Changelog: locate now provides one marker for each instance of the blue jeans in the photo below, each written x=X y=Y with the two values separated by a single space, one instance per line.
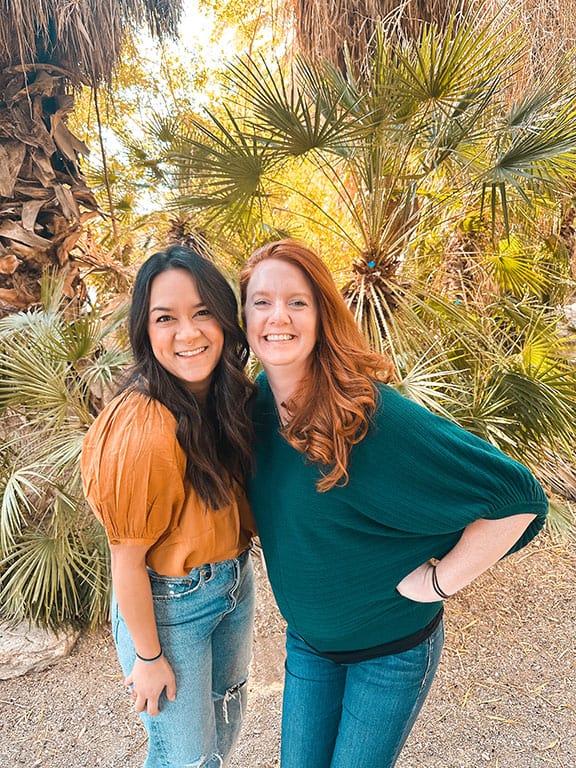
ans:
x=353 y=715
x=205 y=628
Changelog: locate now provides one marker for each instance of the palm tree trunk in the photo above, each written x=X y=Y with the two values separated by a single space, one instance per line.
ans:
x=43 y=195
x=45 y=49
x=341 y=29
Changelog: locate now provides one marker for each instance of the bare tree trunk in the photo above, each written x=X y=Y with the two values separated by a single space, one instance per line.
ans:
x=43 y=195
x=333 y=29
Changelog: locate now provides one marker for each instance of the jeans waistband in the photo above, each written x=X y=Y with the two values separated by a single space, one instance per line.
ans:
x=207 y=569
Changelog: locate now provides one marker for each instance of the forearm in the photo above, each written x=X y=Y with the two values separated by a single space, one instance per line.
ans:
x=134 y=597
x=482 y=544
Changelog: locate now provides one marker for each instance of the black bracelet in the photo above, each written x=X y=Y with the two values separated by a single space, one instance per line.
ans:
x=435 y=586
x=150 y=661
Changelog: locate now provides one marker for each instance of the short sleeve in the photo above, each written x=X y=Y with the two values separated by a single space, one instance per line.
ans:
x=425 y=475
x=133 y=469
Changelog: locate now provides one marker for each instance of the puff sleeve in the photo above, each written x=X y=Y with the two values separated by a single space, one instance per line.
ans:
x=133 y=469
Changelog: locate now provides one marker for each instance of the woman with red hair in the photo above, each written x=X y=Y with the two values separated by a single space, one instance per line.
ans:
x=371 y=510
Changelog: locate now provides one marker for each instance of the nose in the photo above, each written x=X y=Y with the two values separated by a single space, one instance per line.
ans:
x=187 y=329
x=279 y=313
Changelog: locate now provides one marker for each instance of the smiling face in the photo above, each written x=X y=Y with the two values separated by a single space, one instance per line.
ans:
x=281 y=317
x=186 y=338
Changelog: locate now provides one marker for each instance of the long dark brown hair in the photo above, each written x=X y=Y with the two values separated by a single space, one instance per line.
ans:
x=332 y=408
x=216 y=436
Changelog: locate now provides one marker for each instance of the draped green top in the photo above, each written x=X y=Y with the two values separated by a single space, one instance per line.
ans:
x=416 y=480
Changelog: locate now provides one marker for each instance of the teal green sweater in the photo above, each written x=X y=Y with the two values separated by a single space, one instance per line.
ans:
x=416 y=480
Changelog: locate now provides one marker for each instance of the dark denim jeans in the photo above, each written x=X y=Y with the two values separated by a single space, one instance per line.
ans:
x=353 y=715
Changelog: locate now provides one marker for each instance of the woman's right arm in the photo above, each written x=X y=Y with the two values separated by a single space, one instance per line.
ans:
x=134 y=596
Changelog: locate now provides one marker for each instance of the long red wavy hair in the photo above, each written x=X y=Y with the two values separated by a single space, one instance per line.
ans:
x=332 y=408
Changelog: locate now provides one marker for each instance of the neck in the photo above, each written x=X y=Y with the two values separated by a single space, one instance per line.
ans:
x=283 y=384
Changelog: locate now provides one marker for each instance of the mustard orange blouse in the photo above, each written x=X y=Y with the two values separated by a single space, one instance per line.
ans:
x=133 y=477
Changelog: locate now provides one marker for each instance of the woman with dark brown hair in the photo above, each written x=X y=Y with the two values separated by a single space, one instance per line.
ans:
x=164 y=468
x=371 y=510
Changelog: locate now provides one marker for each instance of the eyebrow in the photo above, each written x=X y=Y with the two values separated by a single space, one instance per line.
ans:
x=265 y=292
x=171 y=309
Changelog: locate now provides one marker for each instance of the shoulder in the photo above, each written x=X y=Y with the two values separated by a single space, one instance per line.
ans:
x=132 y=421
x=132 y=406
x=439 y=446
x=395 y=407
x=412 y=428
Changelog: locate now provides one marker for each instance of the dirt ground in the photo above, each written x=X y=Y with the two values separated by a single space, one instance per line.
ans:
x=504 y=697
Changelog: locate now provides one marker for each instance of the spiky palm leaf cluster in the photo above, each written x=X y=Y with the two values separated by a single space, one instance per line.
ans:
x=441 y=193
x=55 y=367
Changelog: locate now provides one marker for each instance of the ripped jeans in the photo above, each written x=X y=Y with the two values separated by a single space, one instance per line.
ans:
x=205 y=627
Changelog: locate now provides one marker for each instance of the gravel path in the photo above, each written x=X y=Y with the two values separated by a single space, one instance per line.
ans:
x=504 y=697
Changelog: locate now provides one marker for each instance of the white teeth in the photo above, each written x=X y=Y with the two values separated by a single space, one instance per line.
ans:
x=279 y=337
x=191 y=353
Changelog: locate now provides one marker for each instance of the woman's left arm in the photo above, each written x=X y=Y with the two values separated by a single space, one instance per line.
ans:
x=482 y=544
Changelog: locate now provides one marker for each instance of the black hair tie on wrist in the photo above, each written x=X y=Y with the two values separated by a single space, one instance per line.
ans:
x=152 y=660
x=435 y=586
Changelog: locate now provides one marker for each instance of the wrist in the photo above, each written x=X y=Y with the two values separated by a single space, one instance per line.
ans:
x=150 y=659
x=436 y=587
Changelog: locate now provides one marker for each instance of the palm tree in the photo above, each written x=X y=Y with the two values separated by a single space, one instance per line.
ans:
x=55 y=369
x=47 y=51
x=444 y=197
x=342 y=32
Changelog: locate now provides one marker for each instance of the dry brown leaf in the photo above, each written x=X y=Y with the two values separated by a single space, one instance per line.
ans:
x=63 y=250
x=67 y=202
x=67 y=143
x=43 y=85
x=9 y=264
x=29 y=254
x=30 y=210
x=43 y=169
x=11 y=158
x=16 y=298
x=15 y=232
x=30 y=191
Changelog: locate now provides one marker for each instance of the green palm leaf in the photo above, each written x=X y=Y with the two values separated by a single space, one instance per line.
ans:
x=54 y=368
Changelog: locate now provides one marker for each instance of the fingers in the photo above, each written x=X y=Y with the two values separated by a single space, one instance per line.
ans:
x=171 y=690
x=151 y=706
x=149 y=703
x=146 y=682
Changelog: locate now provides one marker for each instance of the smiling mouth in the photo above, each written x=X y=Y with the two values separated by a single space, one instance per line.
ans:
x=279 y=337
x=191 y=352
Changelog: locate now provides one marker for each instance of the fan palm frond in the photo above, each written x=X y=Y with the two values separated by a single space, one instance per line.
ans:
x=54 y=368
x=19 y=490
x=298 y=113
x=514 y=270
x=52 y=580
